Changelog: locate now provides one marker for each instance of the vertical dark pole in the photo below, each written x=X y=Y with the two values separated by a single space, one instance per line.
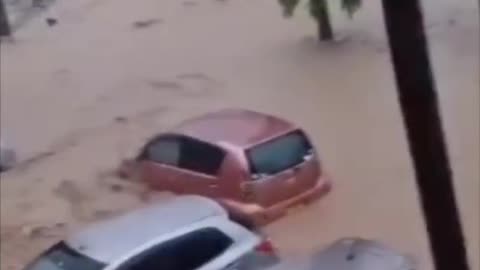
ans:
x=418 y=100
x=4 y=25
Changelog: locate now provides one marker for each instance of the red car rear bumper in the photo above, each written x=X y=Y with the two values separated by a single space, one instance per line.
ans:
x=263 y=215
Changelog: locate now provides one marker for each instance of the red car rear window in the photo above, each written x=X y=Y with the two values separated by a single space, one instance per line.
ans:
x=279 y=154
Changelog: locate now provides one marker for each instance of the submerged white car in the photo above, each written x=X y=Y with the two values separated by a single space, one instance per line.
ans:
x=351 y=254
x=187 y=233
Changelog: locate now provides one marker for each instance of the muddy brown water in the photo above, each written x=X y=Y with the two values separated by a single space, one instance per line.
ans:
x=63 y=89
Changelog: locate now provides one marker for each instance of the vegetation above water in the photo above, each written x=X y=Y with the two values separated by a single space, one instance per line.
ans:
x=319 y=11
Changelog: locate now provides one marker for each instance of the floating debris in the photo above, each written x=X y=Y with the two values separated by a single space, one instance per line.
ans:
x=51 y=21
x=41 y=231
x=146 y=23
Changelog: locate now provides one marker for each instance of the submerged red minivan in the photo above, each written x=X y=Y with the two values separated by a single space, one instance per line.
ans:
x=254 y=164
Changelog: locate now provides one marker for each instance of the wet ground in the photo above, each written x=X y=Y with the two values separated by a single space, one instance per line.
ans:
x=78 y=96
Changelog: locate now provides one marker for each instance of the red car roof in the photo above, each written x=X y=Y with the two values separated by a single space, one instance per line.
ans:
x=236 y=126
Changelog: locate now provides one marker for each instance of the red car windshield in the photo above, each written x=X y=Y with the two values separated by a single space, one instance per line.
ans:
x=63 y=257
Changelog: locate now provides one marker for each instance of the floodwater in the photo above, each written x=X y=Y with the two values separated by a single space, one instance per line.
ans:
x=66 y=91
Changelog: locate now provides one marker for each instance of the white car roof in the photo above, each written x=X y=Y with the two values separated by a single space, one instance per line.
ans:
x=109 y=240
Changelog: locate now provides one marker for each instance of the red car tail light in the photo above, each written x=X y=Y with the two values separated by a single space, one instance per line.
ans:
x=247 y=191
x=266 y=247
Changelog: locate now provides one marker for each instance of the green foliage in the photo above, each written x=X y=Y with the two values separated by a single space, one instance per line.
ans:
x=288 y=6
x=316 y=7
x=350 y=6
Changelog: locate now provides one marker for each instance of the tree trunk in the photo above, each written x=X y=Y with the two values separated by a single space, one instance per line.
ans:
x=4 y=25
x=419 y=103
x=325 y=32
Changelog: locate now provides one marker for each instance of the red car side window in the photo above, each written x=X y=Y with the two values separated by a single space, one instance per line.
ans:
x=184 y=152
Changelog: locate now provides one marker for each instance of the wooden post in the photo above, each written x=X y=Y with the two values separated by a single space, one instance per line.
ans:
x=418 y=100
x=4 y=25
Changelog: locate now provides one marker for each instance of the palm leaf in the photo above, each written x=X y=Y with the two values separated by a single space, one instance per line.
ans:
x=351 y=6
x=315 y=7
x=288 y=6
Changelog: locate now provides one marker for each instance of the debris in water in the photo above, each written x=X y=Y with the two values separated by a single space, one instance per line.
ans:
x=37 y=231
x=69 y=191
x=121 y=119
x=117 y=187
x=127 y=169
x=8 y=157
x=51 y=21
x=146 y=23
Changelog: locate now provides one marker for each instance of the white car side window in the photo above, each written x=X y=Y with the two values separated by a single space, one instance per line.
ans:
x=186 y=252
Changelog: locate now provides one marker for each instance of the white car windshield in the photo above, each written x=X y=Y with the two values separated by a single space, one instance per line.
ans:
x=63 y=257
